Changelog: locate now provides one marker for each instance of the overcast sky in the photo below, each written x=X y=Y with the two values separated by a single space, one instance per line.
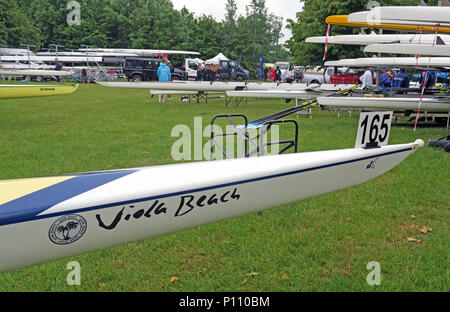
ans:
x=216 y=8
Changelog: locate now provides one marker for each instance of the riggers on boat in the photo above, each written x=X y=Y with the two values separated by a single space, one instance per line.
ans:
x=28 y=91
x=432 y=104
x=44 y=219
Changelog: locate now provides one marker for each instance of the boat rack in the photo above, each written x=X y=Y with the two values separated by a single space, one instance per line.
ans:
x=236 y=100
x=252 y=145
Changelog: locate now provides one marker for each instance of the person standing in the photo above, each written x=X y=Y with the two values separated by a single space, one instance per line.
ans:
x=366 y=79
x=164 y=75
x=386 y=79
x=278 y=74
x=58 y=67
x=428 y=79
x=200 y=69
x=401 y=81
x=272 y=74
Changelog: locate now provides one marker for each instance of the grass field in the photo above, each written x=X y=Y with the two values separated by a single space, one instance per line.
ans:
x=321 y=244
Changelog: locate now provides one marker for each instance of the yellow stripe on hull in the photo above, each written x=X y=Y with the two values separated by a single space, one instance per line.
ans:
x=14 y=189
x=24 y=91
x=342 y=20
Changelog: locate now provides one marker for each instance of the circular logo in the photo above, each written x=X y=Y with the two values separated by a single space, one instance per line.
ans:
x=67 y=229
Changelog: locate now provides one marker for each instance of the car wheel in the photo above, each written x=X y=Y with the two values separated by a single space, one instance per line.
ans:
x=239 y=78
x=137 y=78
x=38 y=79
x=175 y=78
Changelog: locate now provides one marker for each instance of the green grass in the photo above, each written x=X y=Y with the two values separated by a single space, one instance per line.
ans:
x=321 y=244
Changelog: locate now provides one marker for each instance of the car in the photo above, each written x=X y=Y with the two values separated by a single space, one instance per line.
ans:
x=139 y=69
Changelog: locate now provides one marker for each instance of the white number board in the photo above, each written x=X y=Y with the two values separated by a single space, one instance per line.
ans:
x=374 y=129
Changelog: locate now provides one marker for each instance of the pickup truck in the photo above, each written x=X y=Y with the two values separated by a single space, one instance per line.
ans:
x=333 y=75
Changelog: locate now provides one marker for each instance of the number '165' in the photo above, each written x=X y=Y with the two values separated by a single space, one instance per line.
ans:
x=374 y=131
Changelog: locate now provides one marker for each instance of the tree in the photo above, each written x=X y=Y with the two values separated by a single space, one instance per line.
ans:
x=15 y=25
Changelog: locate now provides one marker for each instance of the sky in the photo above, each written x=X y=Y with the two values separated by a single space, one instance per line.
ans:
x=216 y=8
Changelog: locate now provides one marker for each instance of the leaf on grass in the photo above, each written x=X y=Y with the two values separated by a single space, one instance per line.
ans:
x=244 y=282
x=413 y=240
x=173 y=279
x=252 y=274
x=425 y=229
x=284 y=277
x=413 y=216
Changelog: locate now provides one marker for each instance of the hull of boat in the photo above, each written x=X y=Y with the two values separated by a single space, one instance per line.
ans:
x=392 y=62
x=404 y=15
x=395 y=104
x=34 y=72
x=29 y=91
x=342 y=20
x=45 y=219
x=409 y=49
x=377 y=39
x=274 y=94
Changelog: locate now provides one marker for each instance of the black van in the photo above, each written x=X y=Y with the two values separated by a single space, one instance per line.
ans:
x=146 y=69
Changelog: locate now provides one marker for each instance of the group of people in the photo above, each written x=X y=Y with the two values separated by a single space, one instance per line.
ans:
x=276 y=74
x=398 y=79
x=209 y=72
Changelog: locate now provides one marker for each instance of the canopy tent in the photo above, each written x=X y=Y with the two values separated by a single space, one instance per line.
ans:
x=216 y=60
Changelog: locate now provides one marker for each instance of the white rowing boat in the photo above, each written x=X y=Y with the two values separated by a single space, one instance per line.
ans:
x=171 y=92
x=404 y=15
x=34 y=72
x=378 y=39
x=223 y=86
x=435 y=62
x=387 y=103
x=274 y=94
x=44 y=219
x=409 y=49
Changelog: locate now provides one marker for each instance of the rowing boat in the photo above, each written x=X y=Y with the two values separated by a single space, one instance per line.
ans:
x=273 y=94
x=342 y=20
x=34 y=72
x=404 y=15
x=434 y=62
x=28 y=91
x=44 y=219
x=387 y=103
x=363 y=40
x=222 y=87
x=410 y=49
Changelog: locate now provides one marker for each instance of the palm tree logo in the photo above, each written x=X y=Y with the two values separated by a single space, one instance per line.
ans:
x=67 y=229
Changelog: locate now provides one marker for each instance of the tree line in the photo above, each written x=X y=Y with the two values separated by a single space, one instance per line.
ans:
x=145 y=24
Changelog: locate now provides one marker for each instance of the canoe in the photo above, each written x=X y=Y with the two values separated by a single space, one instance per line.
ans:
x=45 y=219
x=410 y=49
x=28 y=91
x=388 y=103
x=342 y=20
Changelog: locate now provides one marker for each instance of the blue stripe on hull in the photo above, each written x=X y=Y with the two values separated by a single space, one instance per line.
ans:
x=30 y=206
